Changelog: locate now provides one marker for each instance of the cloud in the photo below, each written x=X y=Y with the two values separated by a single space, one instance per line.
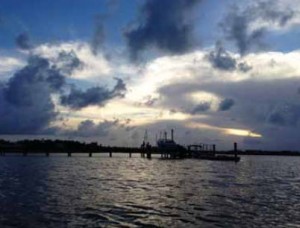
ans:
x=99 y=34
x=8 y=65
x=270 y=11
x=21 y=88
x=285 y=114
x=92 y=67
x=68 y=61
x=244 y=67
x=202 y=107
x=99 y=96
x=226 y=104
x=25 y=99
x=165 y=25
x=88 y=128
x=259 y=103
x=223 y=60
x=23 y=41
x=247 y=28
x=266 y=99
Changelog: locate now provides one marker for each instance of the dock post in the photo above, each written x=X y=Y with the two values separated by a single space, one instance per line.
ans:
x=110 y=154
x=69 y=154
x=235 y=150
x=130 y=154
x=149 y=154
x=90 y=154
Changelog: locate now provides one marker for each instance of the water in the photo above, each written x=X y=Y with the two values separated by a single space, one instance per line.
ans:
x=133 y=192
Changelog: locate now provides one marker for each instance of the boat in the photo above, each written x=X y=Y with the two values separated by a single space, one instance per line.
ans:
x=168 y=148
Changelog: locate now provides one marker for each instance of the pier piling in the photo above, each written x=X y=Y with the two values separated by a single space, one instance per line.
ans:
x=235 y=150
x=149 y=154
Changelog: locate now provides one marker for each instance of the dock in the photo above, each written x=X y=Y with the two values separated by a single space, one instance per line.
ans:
x=179 y=152
x=166 y=149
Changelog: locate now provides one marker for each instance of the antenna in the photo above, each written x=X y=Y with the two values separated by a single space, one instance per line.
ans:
x=146 y=136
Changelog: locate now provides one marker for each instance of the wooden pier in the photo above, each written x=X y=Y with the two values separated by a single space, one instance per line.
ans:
x=70 y=148
x=16 y=150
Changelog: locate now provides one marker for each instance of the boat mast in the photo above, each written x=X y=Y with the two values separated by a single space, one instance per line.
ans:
x=146 y=136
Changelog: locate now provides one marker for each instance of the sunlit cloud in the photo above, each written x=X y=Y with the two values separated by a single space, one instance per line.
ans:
x=224 y=130
x=242 y=132
x=8 y=65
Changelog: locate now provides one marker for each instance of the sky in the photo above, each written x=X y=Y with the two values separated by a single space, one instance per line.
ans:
x=215 y=71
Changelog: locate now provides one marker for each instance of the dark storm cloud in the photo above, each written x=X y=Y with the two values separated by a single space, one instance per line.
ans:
x=165 y=25
x=88 y=128
x=226 y=104
x=21 y=88
x=276 y=118
x=23 y=41
x=267 y=101
x=244 y=67
x=285 y=114
x=177 y=98
x=26 y=105
x=267 y=10
x=257 y=102
x=237 y=24
x=25 y=101
x=223 y=60
x=69 y=61
x=202 y=107
x=78 y=99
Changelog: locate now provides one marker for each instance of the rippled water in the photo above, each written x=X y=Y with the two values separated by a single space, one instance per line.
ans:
x=132 y=192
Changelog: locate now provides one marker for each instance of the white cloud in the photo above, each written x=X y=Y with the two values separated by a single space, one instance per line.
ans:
x=95 y=66
x=8 y=65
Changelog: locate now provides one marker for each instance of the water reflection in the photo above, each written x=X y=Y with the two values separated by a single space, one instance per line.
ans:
x=118 y=191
